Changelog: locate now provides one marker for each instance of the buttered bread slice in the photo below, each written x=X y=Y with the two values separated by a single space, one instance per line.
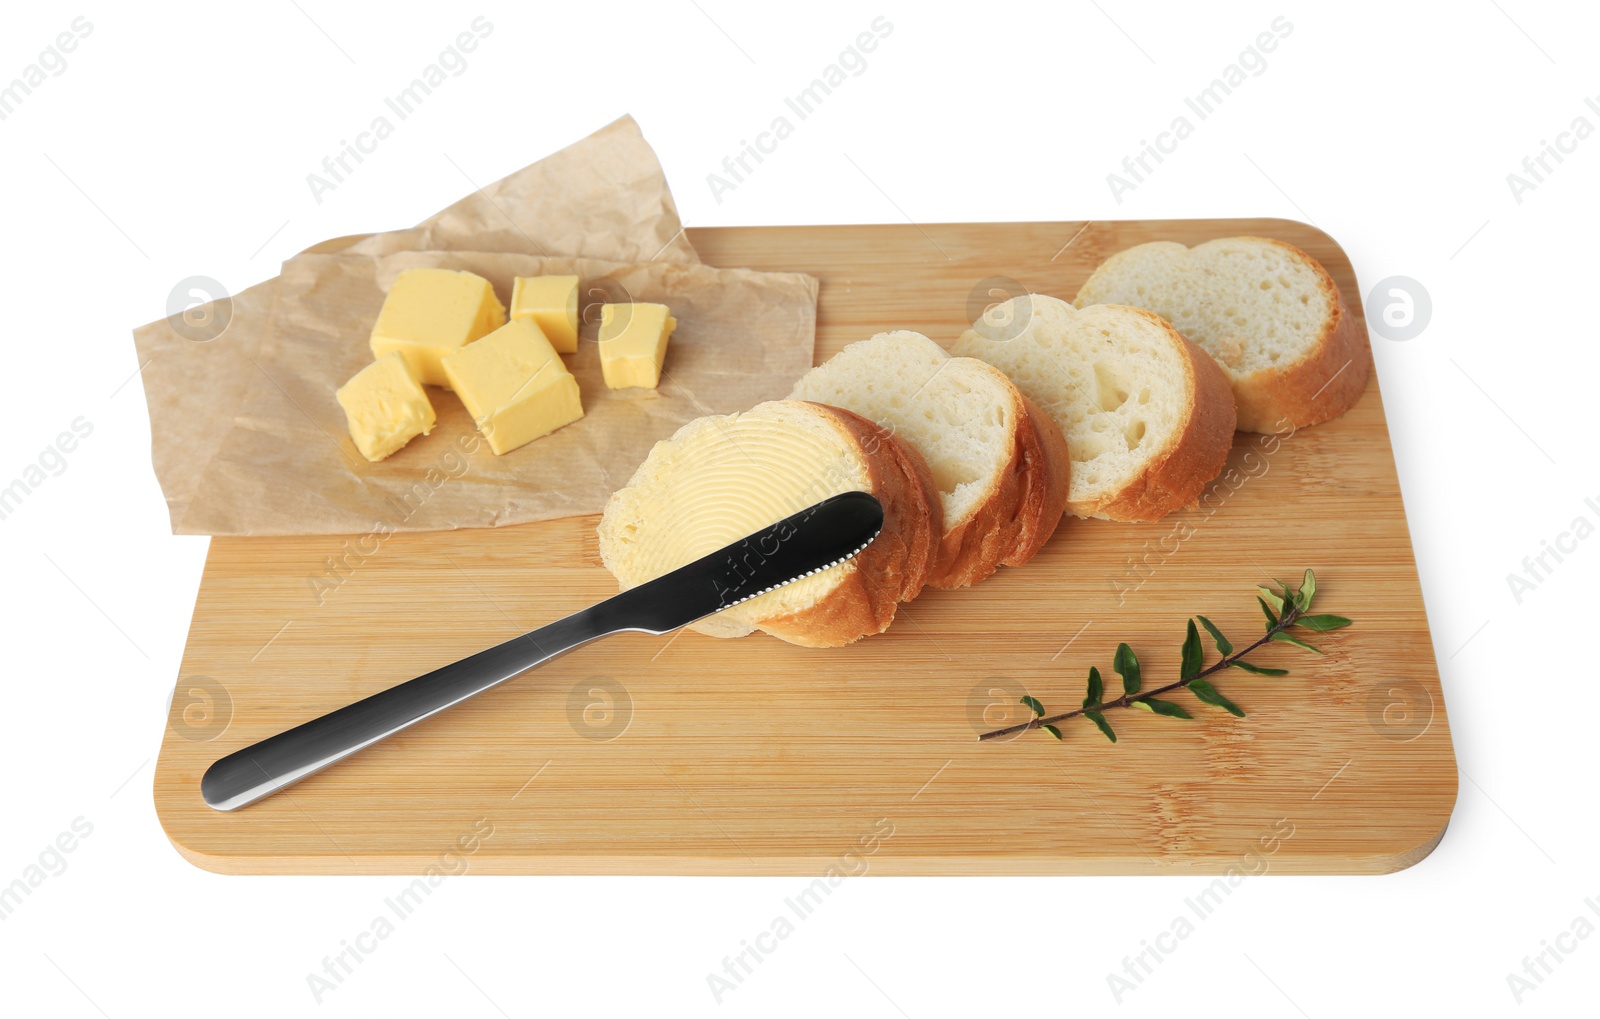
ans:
x=719 y=478
x=999 y=462
x=1267 y=311
x=1147 y=415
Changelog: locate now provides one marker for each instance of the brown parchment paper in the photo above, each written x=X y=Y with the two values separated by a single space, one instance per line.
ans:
x=603 y=197
x=283 y=462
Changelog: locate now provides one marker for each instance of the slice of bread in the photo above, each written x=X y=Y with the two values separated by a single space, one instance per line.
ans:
x=1267 y=311
x=1147 y=415
x=1000 y=463
x=719 y=478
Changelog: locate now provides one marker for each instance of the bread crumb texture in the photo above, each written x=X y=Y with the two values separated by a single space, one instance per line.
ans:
x=1253 y=304
x=1114 y=381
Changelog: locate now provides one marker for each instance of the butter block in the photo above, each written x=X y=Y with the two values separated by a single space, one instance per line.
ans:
x=385 y=407
x=514 y=385
x=429 y=313
x=633 y=343
x=552 y=302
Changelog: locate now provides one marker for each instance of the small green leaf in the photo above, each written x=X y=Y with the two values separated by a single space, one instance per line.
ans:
x=1224 y=646
x=1322 y=623
x=1284 y=594
x=1271 y=597
x=1296 y=641
x=1209 y=694
x=1097 y=689
x=1167 y=708
x=1272 y=620
x=1052 y=730
x=1194 y=654
x=1127 y=666
x=1034 y=705
x=1258 y=670
x=1099 y=720
x=1308 y=590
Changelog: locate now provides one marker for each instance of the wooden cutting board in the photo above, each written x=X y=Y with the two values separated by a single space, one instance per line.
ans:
x=690 y=755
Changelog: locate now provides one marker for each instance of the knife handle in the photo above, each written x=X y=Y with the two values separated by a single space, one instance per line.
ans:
x=834 y=530
x=263 y=768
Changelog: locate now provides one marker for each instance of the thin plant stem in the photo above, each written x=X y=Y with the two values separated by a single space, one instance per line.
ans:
x=1290 y=614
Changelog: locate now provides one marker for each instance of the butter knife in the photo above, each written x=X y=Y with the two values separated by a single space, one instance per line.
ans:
x=823 y=535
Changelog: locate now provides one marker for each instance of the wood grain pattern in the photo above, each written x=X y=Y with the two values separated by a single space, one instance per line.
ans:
x=757 y=757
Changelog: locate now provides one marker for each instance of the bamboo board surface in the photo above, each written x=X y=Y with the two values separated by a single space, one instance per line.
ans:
x=690 y=755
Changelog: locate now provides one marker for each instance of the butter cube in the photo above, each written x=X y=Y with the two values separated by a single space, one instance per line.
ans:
x=431 y=312
x=633 y=343
x=514 y=385
x=552 y=302
x=385 y=407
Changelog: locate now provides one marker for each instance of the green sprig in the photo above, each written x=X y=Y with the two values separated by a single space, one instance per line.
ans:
x=1283 y=608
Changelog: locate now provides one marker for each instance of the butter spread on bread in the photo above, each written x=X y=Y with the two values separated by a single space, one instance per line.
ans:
x=719 y=478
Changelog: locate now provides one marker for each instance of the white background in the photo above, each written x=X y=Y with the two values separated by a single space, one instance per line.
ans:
x=178 y=143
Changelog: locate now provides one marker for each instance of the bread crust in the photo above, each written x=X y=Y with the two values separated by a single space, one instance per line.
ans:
x=1047 y=473
x=1001 y=515
x=1197 y=455
x=1320 y=386
x=896 y=565
x=1024 y=506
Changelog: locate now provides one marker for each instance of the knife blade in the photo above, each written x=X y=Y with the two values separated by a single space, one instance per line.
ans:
x=822 y=535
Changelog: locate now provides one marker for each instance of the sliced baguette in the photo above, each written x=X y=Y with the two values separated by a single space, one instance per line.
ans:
x=1267 y=311
x=1000 y=463
x=719 y=478
x=1147 y=415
